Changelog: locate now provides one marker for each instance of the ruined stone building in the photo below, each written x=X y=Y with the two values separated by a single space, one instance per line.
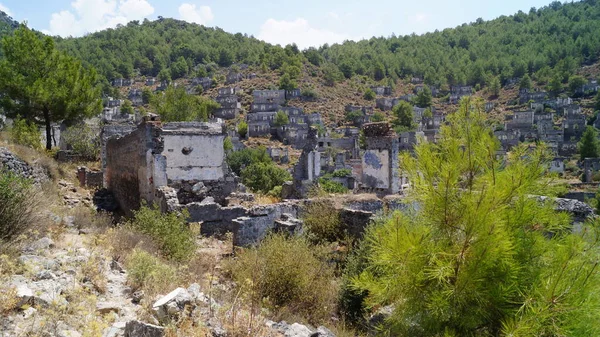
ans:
x=380 y=161
x=155 y=155
x=204 y=82
x=382 y=90
x=230 y=104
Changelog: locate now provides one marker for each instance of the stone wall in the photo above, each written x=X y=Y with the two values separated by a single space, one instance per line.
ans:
x=156 y=155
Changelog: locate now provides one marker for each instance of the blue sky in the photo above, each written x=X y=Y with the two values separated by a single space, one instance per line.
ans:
x=305 y=22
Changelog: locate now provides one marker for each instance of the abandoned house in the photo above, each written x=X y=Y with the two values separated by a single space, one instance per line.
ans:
x=291 y=94
x=230 y=105
x=204 y=82
x=382 y=90
x=380 y=161
x=135 y=96
x=233 y=77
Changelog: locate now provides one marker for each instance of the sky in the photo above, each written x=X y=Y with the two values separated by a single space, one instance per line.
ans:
x=304 y=22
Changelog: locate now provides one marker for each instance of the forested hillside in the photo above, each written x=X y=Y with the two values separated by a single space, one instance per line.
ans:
x=550 y=41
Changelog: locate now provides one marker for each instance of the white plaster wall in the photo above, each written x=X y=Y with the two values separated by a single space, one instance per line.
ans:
x=376 y=167
x=204 y=162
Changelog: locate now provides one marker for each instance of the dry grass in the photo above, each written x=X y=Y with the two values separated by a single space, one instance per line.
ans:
x=93 y=271
x=122 y=241
x=261 y=199
x=87 y=218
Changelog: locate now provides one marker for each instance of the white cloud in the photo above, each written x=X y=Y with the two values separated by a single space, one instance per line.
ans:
x=298 y=31
x=201 y=15
x=88 y=16
x=5 y=9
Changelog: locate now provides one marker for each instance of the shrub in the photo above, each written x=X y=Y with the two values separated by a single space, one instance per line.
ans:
x=322 y=222
x=342 y=173
x=369 y=95
x=263 y=177
x=227 y=144
x=239 y=160
x=242 y=129
x=25 y=133
x=378 y=117
x=310 y=93
x=281 y=119
x=84 y=217
x=289 y=275
x=147 y=272
x=83 y=140
x=331 y=186
x=19 y=204
x=169 y=230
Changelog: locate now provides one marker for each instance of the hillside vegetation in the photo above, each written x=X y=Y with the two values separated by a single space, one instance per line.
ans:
x=551 y=41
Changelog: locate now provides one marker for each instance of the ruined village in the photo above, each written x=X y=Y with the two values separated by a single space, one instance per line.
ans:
x=301 y=196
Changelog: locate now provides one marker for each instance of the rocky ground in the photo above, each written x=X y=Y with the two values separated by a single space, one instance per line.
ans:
x=65 y=281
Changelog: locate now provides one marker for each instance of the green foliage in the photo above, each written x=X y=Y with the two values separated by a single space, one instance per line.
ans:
x=555 y=85
x=575 y=83
x=227 y=145
x=588 y=146
x=369 y=95
x=40 y=83
x=331 y=74
x=525 y=82
x=378 y=117
x=147 y=271
x=480 y=256
x=310 y=93
x=495 y=86
x=238 y=160
x=330 y=186
x=169 y=230
x=353 y=116
x=287 y=274
x=25 y=133
x=322 y=222
x=176 y=105
x=83 y=140
x=18 y=206
x=424 y=98
x=242 y=129
x=403 y=116
x=341 y=173
x=281 y=119
x=597 y=102
x=263 y=177
x=127 y=107
x=287 y=83
x=146 y=95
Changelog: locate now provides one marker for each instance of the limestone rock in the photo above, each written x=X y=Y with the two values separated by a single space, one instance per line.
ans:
x=298 y=330
x=172 y=303
x=108 y=307
x=140 y=329
x=24 y=293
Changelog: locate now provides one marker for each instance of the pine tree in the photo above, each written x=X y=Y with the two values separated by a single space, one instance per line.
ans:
x=588 y=146
x=44 y=85
x=403 y=116
x=479 y=256
x=525 y=82
x=424 y=97
x=495 y=86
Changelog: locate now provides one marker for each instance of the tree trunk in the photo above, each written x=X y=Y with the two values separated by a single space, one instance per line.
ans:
x=48 y=129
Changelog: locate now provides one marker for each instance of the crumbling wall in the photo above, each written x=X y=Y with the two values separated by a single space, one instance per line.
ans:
x=194 y=151
x=132 y=171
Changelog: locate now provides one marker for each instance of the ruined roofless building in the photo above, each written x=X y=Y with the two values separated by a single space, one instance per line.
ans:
x=171 y=154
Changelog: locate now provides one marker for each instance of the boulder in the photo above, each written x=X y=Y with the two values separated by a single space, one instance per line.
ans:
x=108 y=307
x=298 y=330
x=140 y=329
x=172 y=303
